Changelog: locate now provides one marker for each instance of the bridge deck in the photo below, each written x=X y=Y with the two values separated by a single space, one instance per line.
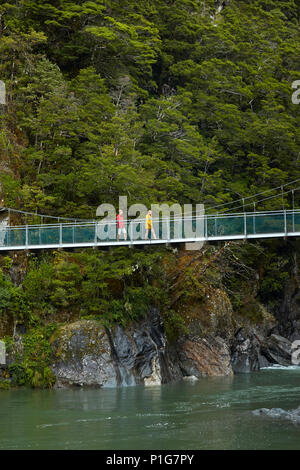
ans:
x=254 y=225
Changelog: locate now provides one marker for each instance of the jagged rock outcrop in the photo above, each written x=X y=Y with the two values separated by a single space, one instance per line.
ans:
x=82 y=355
x=245 y=353
x=251 y=350
x=288 y=312
x=142 y=350
x=87 y=354
x=277 y=350
x=202 y=357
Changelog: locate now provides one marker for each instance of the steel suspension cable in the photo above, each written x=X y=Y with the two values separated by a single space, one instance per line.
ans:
x=254 y=195
x=264 y=199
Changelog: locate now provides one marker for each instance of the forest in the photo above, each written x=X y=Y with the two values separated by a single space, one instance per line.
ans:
x=160 y=101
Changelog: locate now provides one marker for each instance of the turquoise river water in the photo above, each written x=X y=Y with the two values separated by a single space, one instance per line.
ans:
x=213 y=413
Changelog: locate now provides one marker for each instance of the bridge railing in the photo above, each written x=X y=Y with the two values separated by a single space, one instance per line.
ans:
x=206 y=227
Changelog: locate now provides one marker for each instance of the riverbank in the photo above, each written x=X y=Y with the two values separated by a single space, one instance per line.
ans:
x=148 y=317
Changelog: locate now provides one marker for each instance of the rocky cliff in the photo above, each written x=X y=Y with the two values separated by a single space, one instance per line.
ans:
x=212 y=324
x=86 y=353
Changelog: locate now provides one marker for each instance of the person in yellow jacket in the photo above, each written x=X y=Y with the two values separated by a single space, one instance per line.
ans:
x=149 y=226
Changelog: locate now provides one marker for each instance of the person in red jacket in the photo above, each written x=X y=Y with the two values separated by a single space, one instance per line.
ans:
x=121 y=226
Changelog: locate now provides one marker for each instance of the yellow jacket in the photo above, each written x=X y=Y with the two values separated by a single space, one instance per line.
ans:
x=148 y=222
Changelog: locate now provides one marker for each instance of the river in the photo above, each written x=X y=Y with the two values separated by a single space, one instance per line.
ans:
x=213 y=413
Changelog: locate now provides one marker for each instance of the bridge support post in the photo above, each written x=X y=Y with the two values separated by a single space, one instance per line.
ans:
x=285 y=225
x=95 y=238
x=131 y=234
x=26 y=236
x=245 y=225
x=293 y=221
x=60 y=234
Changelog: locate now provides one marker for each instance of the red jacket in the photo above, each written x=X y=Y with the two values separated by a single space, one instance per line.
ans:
x=120 y=221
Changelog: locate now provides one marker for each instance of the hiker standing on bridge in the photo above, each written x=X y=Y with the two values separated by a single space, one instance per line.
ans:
x=149 y=226
x=120 y=225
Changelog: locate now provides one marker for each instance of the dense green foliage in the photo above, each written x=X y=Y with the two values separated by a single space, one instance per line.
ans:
x=107 y=286
x=159 y=101
x=110 y=286
x=31 y=365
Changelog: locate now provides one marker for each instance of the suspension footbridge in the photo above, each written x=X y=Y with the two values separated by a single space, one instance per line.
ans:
x=74 y=233
x=204 y=228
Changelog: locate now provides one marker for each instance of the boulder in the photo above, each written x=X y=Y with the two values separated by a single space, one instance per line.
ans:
x=277 y=350
x=82 y=356
x=279 y=413
x=200 y=357
x=245 y=351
